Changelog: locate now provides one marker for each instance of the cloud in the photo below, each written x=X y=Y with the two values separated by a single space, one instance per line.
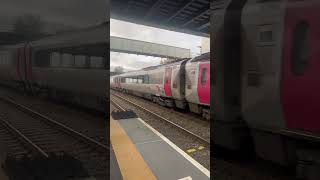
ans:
x=131 y=61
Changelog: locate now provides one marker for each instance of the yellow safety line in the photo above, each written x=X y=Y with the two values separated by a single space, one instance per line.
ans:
x=131 y=163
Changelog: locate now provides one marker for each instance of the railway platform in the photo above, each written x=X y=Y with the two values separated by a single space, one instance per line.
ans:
x=3 y=175
x=140 y=152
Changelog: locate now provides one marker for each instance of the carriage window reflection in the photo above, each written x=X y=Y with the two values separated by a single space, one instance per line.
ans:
x=80 y=61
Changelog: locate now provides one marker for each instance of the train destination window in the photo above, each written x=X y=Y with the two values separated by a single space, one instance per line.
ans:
x=300 y=49
x=204 y=76
x=266 y=36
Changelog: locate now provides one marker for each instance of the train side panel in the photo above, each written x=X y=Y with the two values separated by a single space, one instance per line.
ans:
x=178 y=84
x=262 y=40
x=192 y=77
x=8 y=69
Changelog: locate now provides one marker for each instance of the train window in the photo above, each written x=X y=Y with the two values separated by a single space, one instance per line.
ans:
x=123 y=80
x=80 y=61
x=300 y=49
x=67 y=60
x=156 y=78
x=266 y=36
x=96 y=62
x=140 y=79
x=4 y=58
x=55 y=59
x=146 y=79
x=42 y=59
x=127 y=80
x=204 y=76
x=134 y=79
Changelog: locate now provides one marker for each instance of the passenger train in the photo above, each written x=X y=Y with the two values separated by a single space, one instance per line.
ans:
x=274 y=103
x=71 y=67
x=182 y=84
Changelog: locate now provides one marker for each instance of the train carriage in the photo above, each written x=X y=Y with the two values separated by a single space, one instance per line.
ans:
x=198 y=84
x=274 y=101
x=181 y=84
x=70 y=67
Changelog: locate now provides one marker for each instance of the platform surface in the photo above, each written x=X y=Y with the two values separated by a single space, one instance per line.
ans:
x=3 y=176
x=157 y=157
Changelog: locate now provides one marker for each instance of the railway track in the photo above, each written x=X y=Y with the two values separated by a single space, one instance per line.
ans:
x=183 y=113
x=183 y=118
x=40 y=134
x=205 y=141
x=92 y=125
x=23 y=145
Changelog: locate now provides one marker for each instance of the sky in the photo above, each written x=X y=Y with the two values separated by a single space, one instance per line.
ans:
x=149 y=34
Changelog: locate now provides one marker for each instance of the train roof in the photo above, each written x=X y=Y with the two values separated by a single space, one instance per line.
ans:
x=202 y=57
x=88 y=41
x=178 y=61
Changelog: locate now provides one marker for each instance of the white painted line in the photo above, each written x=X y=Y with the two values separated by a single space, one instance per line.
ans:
x=147 y=142
x=186 y=178
x=175 y=147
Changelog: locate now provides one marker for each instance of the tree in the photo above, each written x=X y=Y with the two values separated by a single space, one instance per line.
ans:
x=29 y=27
x=118 y=70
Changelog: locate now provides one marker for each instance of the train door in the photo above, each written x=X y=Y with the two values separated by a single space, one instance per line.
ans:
x=21 y=64
x=301 y=79
x=28 y=62
x=204 y=83
x=167 y=82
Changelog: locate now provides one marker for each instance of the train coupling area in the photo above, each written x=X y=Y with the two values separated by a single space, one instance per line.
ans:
x=139 y=152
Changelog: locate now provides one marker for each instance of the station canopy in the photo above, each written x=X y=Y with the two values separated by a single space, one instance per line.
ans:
x=187 y=16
